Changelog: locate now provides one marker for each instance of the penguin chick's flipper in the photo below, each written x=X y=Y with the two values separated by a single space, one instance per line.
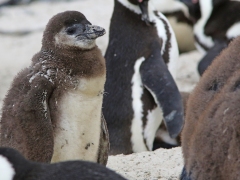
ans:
x=104 y=143
x=212 y=53
x=157 y=79
x=27 y=126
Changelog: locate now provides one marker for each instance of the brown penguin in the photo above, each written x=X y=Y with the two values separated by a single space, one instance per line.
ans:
x=210 y=137
x=53 y=110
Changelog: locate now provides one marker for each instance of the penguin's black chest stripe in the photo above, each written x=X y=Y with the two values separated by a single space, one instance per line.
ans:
x=166 y=55
x=77 y=133
x=169 y=47
x=137 y=139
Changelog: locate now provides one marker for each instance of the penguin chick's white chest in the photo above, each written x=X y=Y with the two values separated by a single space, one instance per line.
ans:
x=77 y=132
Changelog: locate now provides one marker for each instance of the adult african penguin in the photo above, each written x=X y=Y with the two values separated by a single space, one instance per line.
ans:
x=216 y=23
x=210 y=137
x=140 y=90
x=13 y=166
x=53 y=110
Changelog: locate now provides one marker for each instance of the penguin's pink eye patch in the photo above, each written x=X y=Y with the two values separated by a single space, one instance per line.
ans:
x=140 y=1
x=194 y=1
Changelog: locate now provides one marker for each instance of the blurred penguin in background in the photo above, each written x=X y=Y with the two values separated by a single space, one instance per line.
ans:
x=216 y=23
x=178 y=16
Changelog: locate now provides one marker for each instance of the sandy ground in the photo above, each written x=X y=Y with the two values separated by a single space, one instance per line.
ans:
x=160 y=164
x=21 y=30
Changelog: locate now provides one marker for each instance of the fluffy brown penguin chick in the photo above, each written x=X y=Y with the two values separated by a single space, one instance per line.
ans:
x=52 y=111
x=210 y=138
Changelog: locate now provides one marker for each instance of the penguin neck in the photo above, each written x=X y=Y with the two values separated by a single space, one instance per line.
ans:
x=125 y=8
x=84 y=63
x=134 y=8
x=128 y=17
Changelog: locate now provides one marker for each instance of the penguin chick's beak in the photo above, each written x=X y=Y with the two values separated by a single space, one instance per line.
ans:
x=93 y=32
x=90 y=31
x=144 y=8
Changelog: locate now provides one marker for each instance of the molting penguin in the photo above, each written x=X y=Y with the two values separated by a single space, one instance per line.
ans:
x=210 y=137
x=140 y=91
x=13 y=166
x=53 y=110
x=212 y=30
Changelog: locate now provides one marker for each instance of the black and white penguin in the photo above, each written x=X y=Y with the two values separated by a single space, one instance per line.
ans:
x=13 y=166
x=140 y=90
x=53 y=110
x=216 y=23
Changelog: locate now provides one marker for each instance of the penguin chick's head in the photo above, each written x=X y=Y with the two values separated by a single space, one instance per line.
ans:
x=143 y=4
x=71 y=29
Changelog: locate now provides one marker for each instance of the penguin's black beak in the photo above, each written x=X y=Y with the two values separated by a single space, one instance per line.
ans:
x=93 y=32
x=85 y=31
x=144 y=8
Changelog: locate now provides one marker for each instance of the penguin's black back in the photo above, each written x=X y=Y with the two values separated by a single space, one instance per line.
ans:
x=68 y=170
x=134 y=41
x=75 y=170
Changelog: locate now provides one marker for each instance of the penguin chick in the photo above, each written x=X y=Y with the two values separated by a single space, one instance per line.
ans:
x=210 y=137
x=13 y=166
x=140 y=90
x=52 y=111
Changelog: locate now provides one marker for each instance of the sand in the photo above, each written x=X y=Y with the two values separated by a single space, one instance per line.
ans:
x=21 y=29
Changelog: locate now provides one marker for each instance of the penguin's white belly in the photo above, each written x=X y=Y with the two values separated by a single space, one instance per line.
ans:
x=77 y=133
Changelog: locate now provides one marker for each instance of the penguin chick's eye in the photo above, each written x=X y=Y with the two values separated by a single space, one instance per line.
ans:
x=236 y=86
x=214 y=86
x=71 y=30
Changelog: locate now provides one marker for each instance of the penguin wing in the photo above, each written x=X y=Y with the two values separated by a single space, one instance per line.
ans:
x=26 y=121
x=157 y=79
x=104 y=143
x=37 y=115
